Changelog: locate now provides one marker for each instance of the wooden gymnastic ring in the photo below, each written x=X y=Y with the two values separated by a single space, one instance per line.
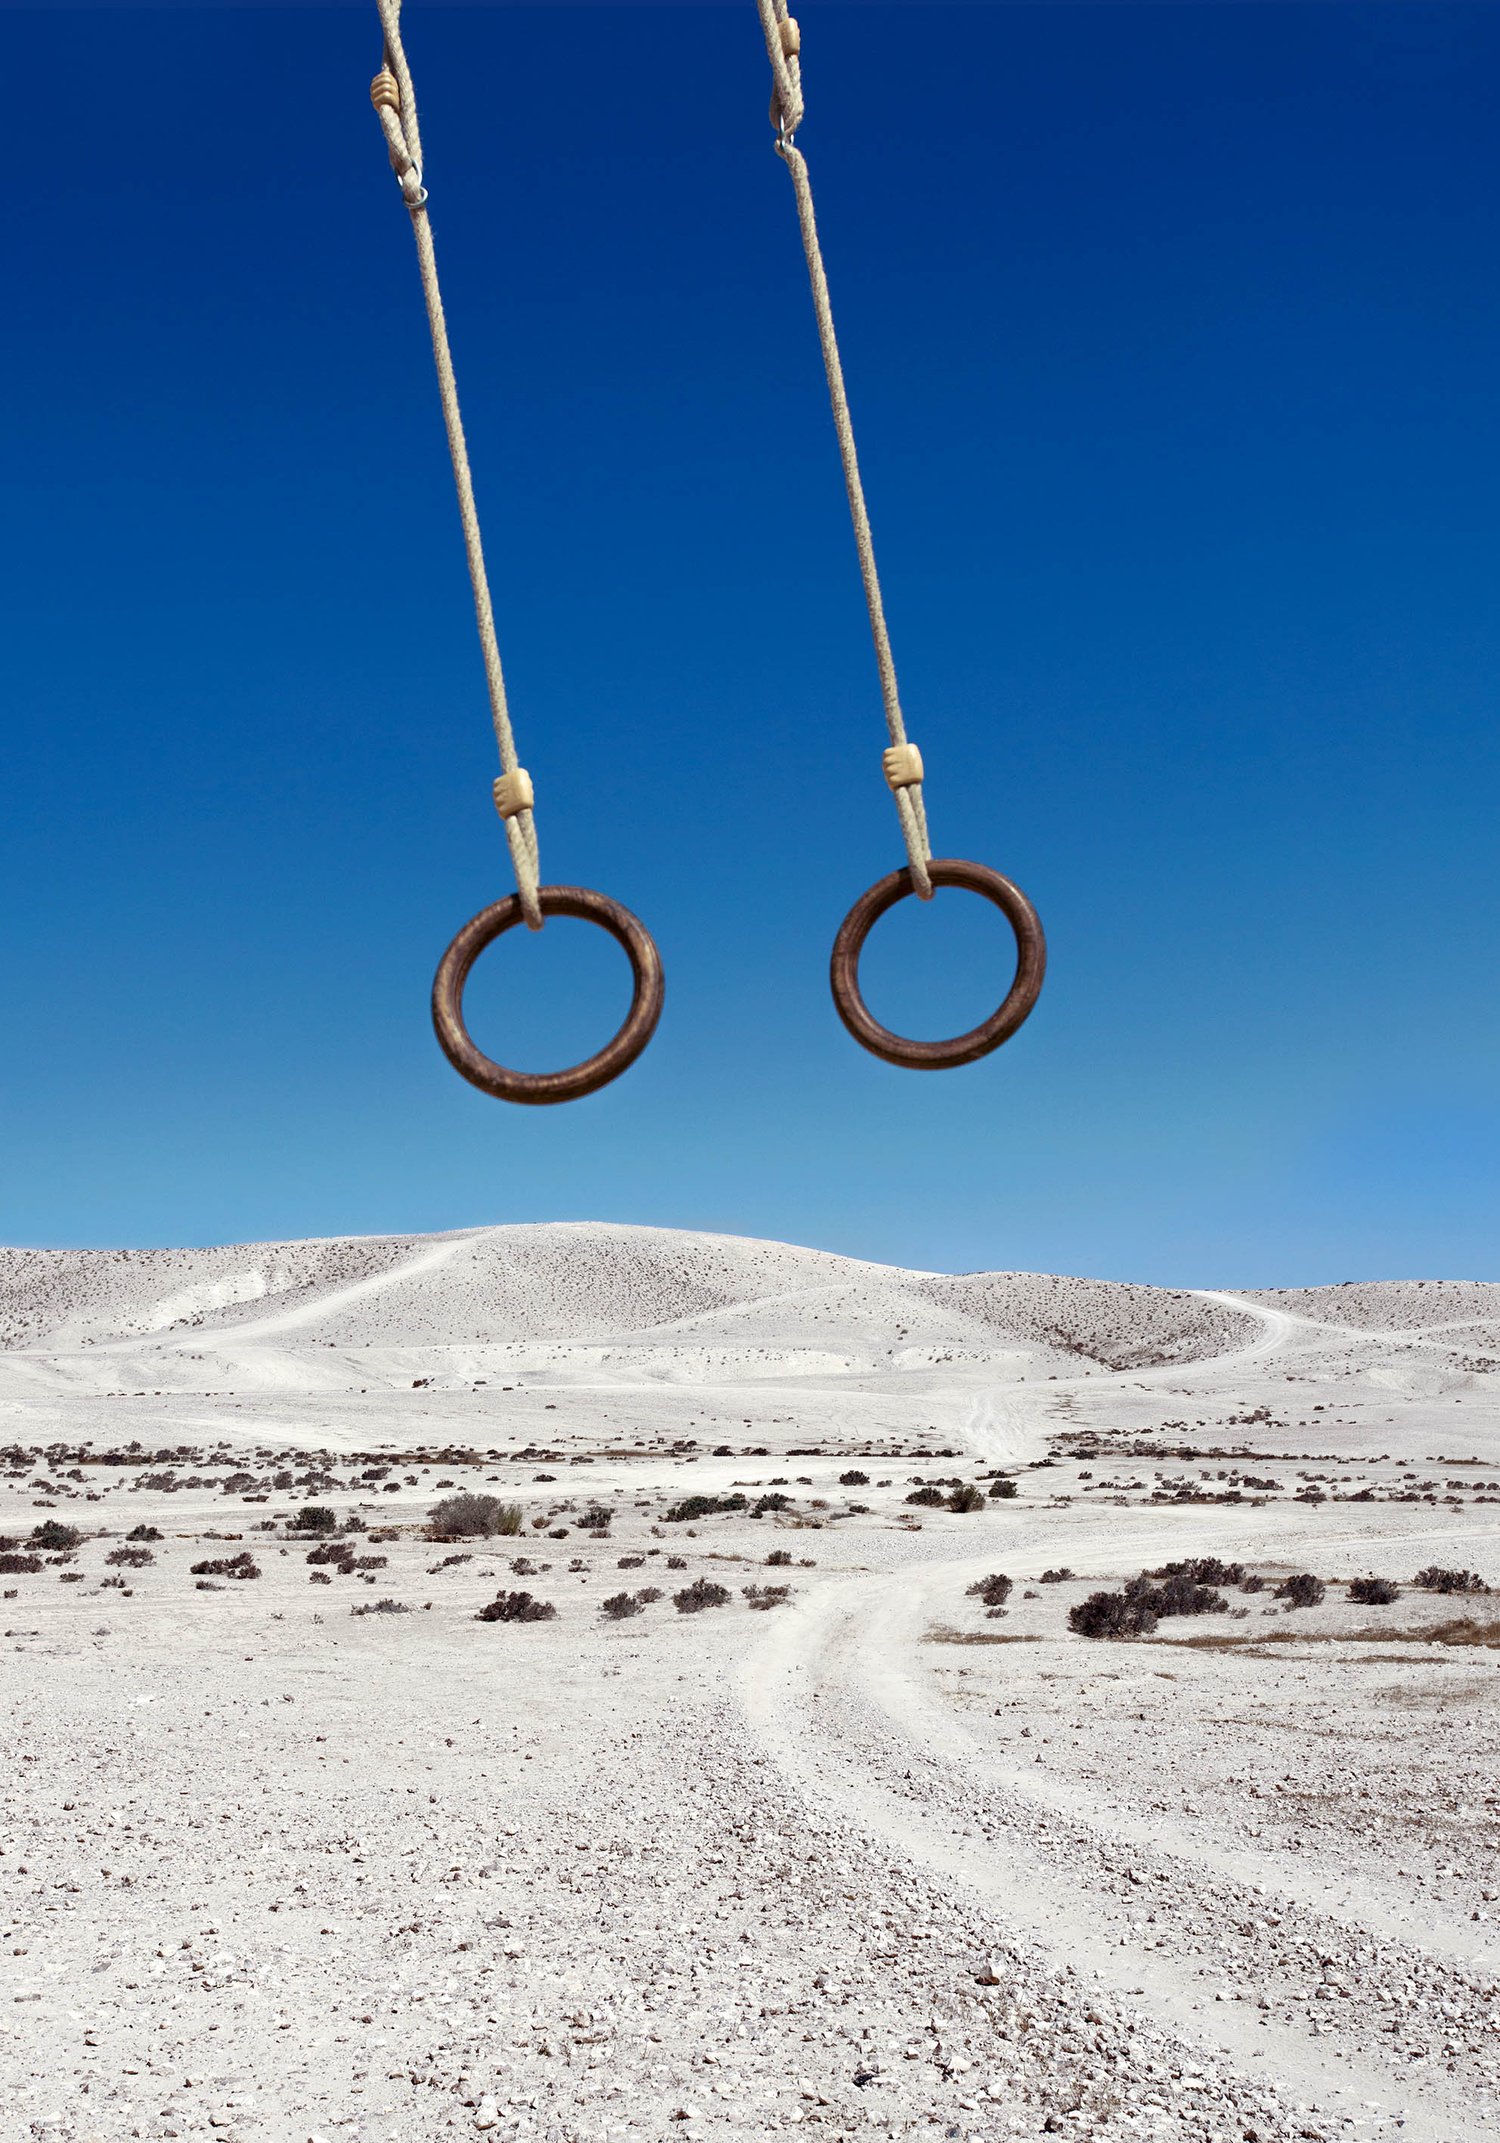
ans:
x=586 y=1078
x=1031 y=966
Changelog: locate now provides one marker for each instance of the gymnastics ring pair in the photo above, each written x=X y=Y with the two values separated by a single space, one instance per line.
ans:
x=539 y=1088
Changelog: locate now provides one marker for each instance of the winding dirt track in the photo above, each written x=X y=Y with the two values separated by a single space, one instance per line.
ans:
x=844 y=1700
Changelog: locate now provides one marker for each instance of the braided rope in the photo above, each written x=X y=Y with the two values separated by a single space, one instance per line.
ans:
x=903 y=763
x=395 y=103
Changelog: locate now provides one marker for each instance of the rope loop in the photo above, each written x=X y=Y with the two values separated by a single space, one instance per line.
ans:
x=903 y=762
x=395 y=101
x=783 y=49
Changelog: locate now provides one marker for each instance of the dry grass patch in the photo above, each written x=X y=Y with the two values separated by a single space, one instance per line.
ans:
x=947 y=1636
x=1462 y=1630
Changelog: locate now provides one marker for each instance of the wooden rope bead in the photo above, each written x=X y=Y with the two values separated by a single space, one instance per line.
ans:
x=385 y=92
x=513 y=793
x=791 y=38
x=903 y=766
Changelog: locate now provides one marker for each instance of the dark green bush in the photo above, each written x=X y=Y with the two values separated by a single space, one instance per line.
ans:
x=316 y=1518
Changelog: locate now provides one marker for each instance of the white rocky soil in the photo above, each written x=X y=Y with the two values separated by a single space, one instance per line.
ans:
x=318 y=1854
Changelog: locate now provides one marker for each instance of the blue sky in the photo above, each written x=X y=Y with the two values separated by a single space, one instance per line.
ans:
x=1172 y=335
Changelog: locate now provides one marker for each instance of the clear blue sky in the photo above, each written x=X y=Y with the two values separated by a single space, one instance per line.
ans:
x=1173 y=335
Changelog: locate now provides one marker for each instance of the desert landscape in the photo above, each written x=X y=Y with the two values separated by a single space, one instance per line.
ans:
x=988 y=1707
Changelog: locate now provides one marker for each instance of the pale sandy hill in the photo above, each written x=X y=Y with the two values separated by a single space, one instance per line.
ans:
x=588 y=1285
x=72 y=1298
x=1389 y=1305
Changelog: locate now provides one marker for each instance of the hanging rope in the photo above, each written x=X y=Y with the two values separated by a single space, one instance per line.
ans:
x=902 y=760
x=395 y=104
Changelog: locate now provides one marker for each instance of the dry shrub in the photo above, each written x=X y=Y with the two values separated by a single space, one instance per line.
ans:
x=621 y=1604
x=472 y=1516
x=517 y=1607
x=1176 y=1595
x=779 y=1559
x=700 y=1594
x=1434 y=1579
x=143 y=1532
x=1303 y=1590
x=994 y=1590
x=1204 y=1570
x=315 y=1518
x=1373 y=1591
x=1111 y=1614
x=766 y=1596
x=692 y=1507
x=53 y=1537
x=926 y=1498
x=1056 y=1577
x=130 y=1558
x=854 y=1479
x=20 y=1565
x=380 y=1607
x=241 y=1566
x=966 y=1498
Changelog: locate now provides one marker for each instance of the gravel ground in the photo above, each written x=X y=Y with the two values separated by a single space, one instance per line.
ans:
x=280 y=1867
